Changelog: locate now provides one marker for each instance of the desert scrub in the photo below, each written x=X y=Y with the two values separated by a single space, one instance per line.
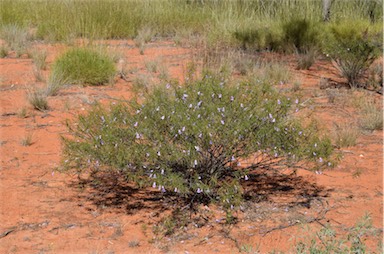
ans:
x=352 y=50
x=85 y=66
x=327 y=240
x=199 y=141
x=16 y=38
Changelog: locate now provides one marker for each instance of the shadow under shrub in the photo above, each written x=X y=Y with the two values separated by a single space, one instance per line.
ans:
x=84 y=66
x=199 y=141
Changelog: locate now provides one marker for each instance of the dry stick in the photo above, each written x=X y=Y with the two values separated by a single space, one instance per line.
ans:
x=317 y=219
x=7 y=232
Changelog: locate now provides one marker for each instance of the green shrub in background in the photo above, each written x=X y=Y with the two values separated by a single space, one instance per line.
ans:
x=300 y=34
x=198 y=141
x=84 y=66
x=353 y=51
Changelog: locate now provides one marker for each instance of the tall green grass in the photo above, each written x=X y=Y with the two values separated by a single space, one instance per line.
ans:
x=104 y=19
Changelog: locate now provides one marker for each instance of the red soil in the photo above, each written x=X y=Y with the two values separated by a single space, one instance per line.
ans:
x=45 y=211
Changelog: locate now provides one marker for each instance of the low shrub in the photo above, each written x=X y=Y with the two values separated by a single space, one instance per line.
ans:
x=85 y=66
x=300 y=35
x=353 y=52
x=199 y=141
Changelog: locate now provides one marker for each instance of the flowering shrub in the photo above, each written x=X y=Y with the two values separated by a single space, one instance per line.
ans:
x=198 y=141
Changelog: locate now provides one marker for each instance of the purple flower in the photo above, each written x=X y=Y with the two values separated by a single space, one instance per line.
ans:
x=297 y=101
x=154 y=185
x=199 y=103
x=162 y=171
x=175 y=190
x=135 y=125
x=162 y=118
x=321 y=160
x=278 y=102
x=103 y=119
x=220 y=95
x=158 y=153
x=198 y=190
x=246 y=178
x=163 y=189
x=222 y=122
x=168 y=86
x=232 y=98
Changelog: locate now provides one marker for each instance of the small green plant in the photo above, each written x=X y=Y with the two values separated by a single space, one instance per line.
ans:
x=38 y=74
x=193 y=140
x=56 y=81
x=375 y=76
x=141 y=84
x=23 y=113
x=371 y=116
x=345 y=135
x=85 y=66
x=38 y=99
x=39 y=59
x=152 y=66
x=352 y=51
x=306 y=59
x=3 y=51
x=134 y=244
x=27 y=140
x=328 y=241
x=274 y=73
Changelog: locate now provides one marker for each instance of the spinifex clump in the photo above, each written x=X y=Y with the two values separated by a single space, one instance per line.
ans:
x=198 y=141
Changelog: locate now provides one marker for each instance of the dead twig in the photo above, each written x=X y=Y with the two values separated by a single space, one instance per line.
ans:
x=7 y=232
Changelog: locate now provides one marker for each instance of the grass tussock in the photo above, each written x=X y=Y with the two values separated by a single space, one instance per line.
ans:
x=371 y=116
x=84 y=66
x=38 y=99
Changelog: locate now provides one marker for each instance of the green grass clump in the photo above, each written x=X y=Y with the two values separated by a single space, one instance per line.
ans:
x=192 y=140
x=84 y=66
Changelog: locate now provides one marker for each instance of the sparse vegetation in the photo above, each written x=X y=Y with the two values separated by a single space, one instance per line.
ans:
x=38 y=99
x=39 y=59
x=27 y=140
x=328 y=241
x=16 y=37
x=371 y=116
x=345 y=135
x=84 y=66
